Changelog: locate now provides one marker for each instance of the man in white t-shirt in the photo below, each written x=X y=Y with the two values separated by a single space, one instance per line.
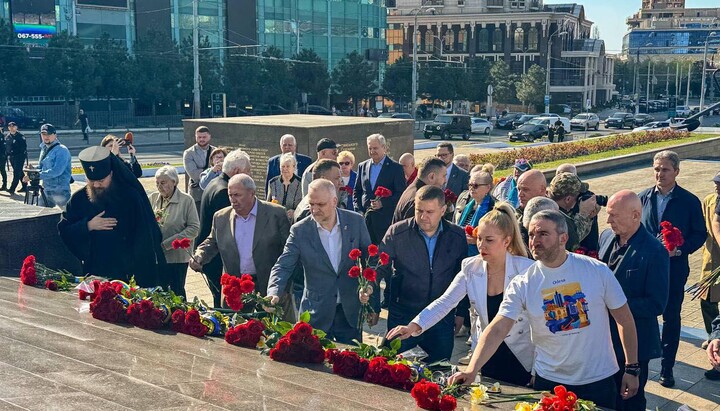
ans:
x=567 y=297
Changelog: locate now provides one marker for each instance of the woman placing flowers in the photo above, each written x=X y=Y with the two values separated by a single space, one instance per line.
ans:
x=483 y=278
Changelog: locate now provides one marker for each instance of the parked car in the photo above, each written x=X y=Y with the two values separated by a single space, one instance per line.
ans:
x=641 y=119
x=683 y=111
x=23 y=121
x=653 y=125
x=447 y=125
x=481 y=126
x=269 y=110
x=585 y=121
x=522 y=120
x=620 y=120
x=506 y=121
x=404 y=116
x=528 y=132
x=317 y=110
x=550 y=121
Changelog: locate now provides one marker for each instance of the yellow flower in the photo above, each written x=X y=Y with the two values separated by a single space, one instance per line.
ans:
x=495 y=388
x=478 y=395
x=261 y=344
x=523 y=406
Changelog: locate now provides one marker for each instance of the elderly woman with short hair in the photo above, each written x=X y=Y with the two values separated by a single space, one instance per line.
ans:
x=176 y=214
x=286 y=189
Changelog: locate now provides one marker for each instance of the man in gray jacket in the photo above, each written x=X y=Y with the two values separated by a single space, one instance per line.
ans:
x=195 y=160
x=322 y=244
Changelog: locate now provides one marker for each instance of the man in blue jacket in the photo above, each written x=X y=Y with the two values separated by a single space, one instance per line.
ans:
x=288 y=144
x=641 y=266
x=55 y=168
x=667 y=201
x=425 y=255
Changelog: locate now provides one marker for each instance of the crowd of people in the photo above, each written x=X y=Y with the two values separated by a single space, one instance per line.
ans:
x=520 y=263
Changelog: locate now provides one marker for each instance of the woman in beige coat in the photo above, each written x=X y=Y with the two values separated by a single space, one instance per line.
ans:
x=176 y=214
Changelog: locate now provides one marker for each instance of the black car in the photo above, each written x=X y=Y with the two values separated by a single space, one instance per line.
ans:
x=641 y=119
x=528 y=132
x=269 y=110
x=522 y=120
x=23 y=121
x=317 y=110
x=506 y=121
x=620 y=120
x=447 y=125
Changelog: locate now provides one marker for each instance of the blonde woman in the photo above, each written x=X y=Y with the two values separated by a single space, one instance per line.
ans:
x=286 y=189
x=483 y=278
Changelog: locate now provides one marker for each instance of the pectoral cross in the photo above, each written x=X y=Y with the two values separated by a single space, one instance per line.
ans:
x=92 y=168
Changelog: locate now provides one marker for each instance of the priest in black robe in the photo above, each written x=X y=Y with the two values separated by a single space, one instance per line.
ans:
x=110 y=226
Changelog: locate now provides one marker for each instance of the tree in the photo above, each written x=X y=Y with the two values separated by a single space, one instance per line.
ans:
x=503 y=81
x=398 y=79
x=531 y=87
x=211 y=80
x=67 y=69
x=242 y=78
x=311 y=77
x=478 y=79
x=18 y=76
x=111 y=76
x=157 y=68
x=278 y=87
x=354 y=77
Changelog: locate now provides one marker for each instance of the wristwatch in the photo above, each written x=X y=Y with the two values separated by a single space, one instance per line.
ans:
x=678 y=252
x=632 y=369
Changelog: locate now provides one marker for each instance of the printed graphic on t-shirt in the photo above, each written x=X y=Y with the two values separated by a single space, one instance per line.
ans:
x=565 y=307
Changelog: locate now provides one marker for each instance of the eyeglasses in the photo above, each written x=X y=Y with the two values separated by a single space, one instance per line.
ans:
x=442 y=155
x=344 y=163
x=476 y=186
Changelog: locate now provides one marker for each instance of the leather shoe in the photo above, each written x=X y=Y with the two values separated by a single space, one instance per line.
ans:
x=666 y=378
x=713 y=375
x=705 y=344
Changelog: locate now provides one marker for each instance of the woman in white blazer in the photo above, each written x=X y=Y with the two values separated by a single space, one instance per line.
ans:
x=483 y=278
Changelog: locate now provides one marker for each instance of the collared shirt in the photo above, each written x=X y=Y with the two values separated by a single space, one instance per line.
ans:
x=375 y=171
x=618 y=251
x=662 y=201
x=244 y=237
x=431 y=242
x=447 y=175
x=332 y=243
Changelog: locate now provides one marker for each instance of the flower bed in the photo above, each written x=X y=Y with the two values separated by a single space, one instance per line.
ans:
x=554 y=152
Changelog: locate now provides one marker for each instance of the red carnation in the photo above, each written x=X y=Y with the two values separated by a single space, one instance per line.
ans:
x=28 y=276
x=450 y=197
x=304 y=329
x=369 y=274
x=51 y=285
x=354 y=272
x=426 y=395
x=382 y=192
x=672 y=236
x=447 y=403
x=83 y=295
x=372 y=250
x=175 y=244
x=355 y=253
x=470 y=231
x=384 y=258
x=349 y=364
x=178 y=321
x=247 y=287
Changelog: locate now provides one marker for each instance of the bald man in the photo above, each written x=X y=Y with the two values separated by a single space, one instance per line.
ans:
x=566 y=168
x=641 y=265
x=407 y=161
x=531 y=184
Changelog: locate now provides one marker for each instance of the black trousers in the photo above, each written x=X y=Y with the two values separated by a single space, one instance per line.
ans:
x=3 y=173
x=213 y=272
x=671 y=320
x=172 y=277
x=602 y=393
x=341 y=330
x=17 y=166
x=709 y=312
x=638 y=401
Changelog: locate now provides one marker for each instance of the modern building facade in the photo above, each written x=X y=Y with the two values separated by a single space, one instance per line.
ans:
x=333 y=28
x=515 y=31
x=665 y=29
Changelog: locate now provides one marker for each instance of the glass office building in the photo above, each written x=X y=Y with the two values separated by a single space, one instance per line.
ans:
x=333 y=28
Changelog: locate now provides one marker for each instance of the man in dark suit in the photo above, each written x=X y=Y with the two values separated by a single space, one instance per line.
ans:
x=287 y=145
x=456 y=179
x=249 y=236
x=431 y=172
x=322 y=245
x=214 y=199
x=667 y=201
x=379 y=170
x=641 y=265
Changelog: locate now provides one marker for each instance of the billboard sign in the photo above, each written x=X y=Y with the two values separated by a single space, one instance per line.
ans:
x=33 y=20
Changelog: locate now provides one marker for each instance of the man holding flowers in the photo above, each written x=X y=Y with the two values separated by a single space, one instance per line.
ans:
x=322 y=245
x=668 y=202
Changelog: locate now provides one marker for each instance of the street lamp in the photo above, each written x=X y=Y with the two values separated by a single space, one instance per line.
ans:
x=416 y=11
x=547 y=69
x=702 y=86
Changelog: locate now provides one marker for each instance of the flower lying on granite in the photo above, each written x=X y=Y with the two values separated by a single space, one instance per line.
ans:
x=106 y=306
x=428 y=396
x=247 y=334
x=145 y=315
x=299 y=345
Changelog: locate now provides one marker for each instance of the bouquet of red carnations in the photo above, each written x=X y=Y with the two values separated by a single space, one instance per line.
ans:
x=35 y=274
x=381 y=372
x=367 y=276
x=450 y=197
x=346 y=363
x=672 y=236
x=189 y=322
x=108 y=304
x=145 y=314
x=247 y=334
x=234 y=288
x=429 y=396
x=382 y=192
x=299 y=345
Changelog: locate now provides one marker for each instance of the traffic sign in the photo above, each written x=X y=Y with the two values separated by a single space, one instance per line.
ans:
x=547 y=99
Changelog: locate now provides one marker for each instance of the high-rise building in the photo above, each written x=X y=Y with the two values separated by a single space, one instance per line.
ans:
x=515 y=31
x=667 y=30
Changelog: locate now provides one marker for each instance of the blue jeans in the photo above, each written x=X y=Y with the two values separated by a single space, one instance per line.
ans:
x=57 y=198
x=437 y=341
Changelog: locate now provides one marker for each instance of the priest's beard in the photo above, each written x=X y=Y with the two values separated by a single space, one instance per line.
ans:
x=104 y=196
